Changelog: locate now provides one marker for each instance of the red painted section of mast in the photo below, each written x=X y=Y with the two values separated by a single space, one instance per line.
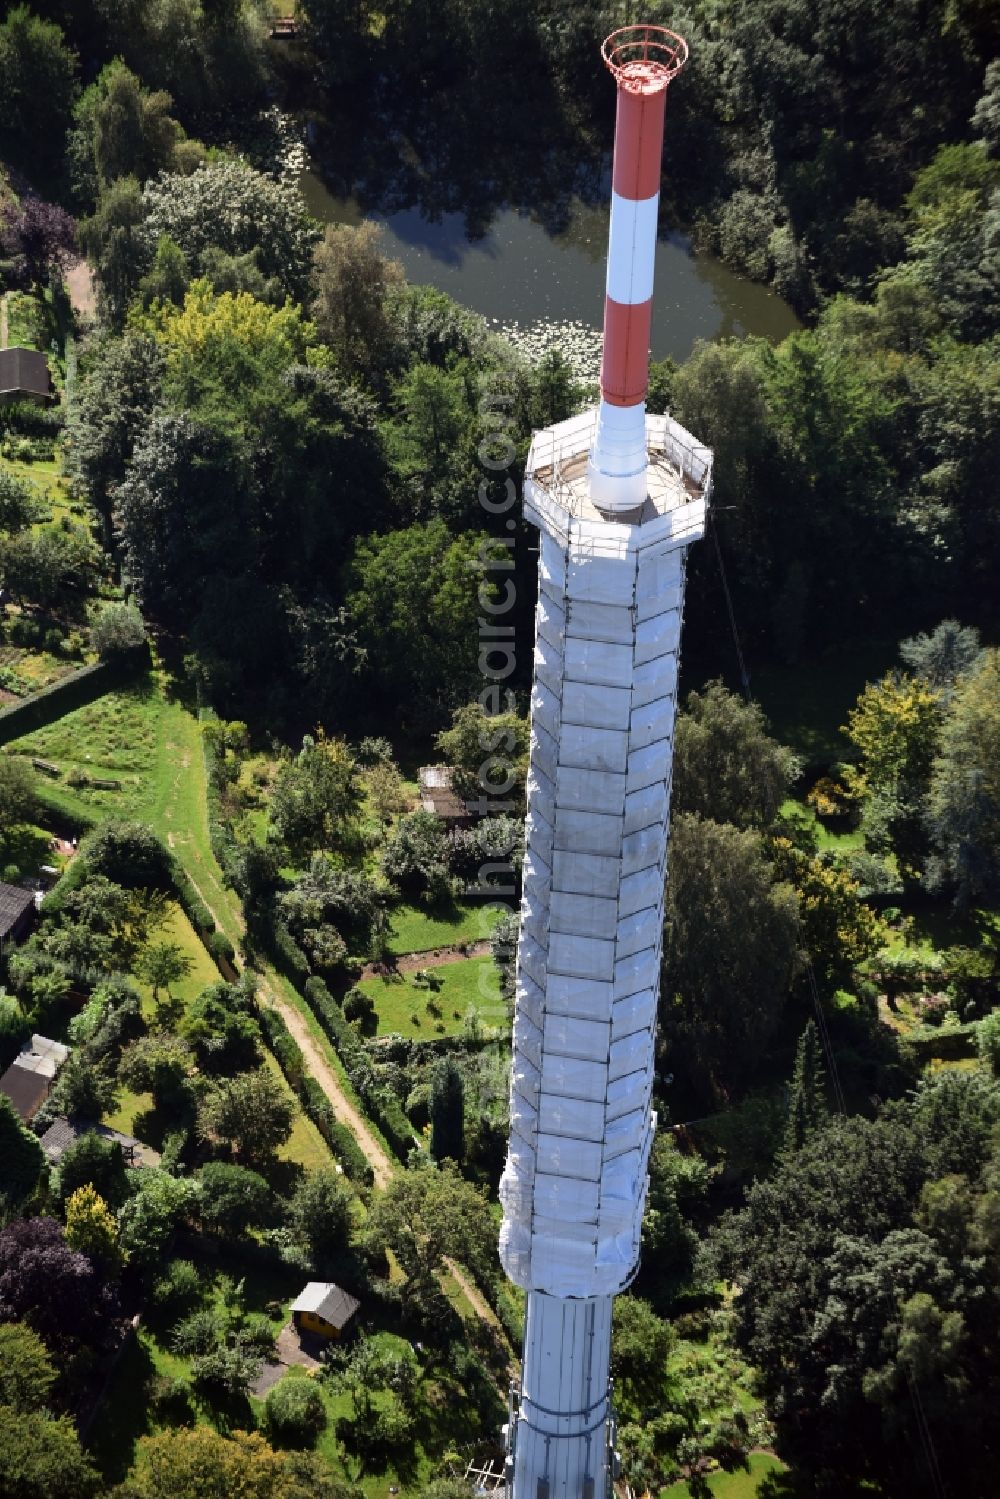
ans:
x=638 y=143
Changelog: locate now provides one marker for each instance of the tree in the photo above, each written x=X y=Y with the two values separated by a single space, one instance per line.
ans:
x=201 y=1464
x=229 y=206
x=21 y=1157
x=84 y=1090
x=415 y=857
x=40 y=238
x=251 y=1113
x=855 y=1275
x=95 y=1162
x=234 y=1199
x=159 y=1064
x=895 y=727
x=729 y=949
x=112 y=238
x=838 y=930
x=295 y=1413
x=316 y=796
x=412 y=600
x=807 y=1108
x=424 y=1214
x=986 y=116
x=428 y=442
x=129 y=853
x=41 y=1458
x=726 y=765
x=320 y=1217
x=147 y=1221
x=641 y=1343
x=944 y=655
x=91 y=1229
x=51 y=1287
x=964 y=799
x=167 y=516
x=447 y=1112
x=39 y=73
x=27 y=1373
x=121 y=129
x=221 y=1026
x=17 y=791
x=115 y=398
x=355 y=285
x=488 y=751
x=162 y=964
x=20 y=502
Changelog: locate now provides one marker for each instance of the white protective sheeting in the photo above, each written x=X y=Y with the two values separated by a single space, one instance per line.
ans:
x=608 y=628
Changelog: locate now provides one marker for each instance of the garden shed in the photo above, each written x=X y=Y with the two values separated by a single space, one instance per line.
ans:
x=437 y=795
x=323 y=1309
x=62 y=1133
x=24 y=376
x=28 y=1080
x=17 y=913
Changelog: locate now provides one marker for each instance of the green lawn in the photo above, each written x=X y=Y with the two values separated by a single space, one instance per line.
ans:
x=402 y=1005
x=151 y=743
x=738 y=1485
x=178 y=929
x=25 y=848
x=827 y=839
x=415 y=929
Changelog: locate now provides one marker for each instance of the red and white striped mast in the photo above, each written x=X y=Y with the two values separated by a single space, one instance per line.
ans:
x=643 y=61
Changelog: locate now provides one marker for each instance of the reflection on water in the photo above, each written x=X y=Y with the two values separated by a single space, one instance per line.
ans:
x=519 y=272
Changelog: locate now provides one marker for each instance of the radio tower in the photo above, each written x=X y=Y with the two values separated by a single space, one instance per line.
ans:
x=618 y=497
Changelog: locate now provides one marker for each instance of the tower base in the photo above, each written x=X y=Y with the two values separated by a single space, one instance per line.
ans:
x=559 y=1437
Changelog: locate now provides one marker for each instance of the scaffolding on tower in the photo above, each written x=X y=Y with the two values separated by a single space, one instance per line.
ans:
x=617 y=496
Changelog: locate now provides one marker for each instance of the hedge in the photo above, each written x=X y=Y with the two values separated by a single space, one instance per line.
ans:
x=384 y=1107
x=69 y=692
x=951 y=1043
x=314 y=1101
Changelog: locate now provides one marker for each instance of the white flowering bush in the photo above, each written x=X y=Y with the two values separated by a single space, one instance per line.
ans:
x=230 y=206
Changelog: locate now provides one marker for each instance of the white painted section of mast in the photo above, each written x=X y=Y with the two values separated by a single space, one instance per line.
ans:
x=632 y=248
x=617 y=468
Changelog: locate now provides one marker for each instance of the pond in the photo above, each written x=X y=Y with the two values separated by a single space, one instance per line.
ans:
x=520 y=272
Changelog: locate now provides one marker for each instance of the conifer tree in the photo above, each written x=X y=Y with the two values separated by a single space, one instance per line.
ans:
x=447 y=1112
x=807 y=1106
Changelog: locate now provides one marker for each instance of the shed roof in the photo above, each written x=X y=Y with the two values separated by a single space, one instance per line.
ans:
x=326 y=1300
x=62 y=1133
x=14 y=901
x=26 y=1089
x=437 y=794
x=24 y=369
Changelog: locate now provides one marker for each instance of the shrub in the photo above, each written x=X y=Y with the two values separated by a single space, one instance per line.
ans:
x=200 y=1333
x=178 y=1291
x=170 y=1401
x=988 y=1042
x=295 y=1413
x=117 y=631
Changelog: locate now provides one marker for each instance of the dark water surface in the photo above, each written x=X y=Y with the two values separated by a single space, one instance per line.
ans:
x=520 y=272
